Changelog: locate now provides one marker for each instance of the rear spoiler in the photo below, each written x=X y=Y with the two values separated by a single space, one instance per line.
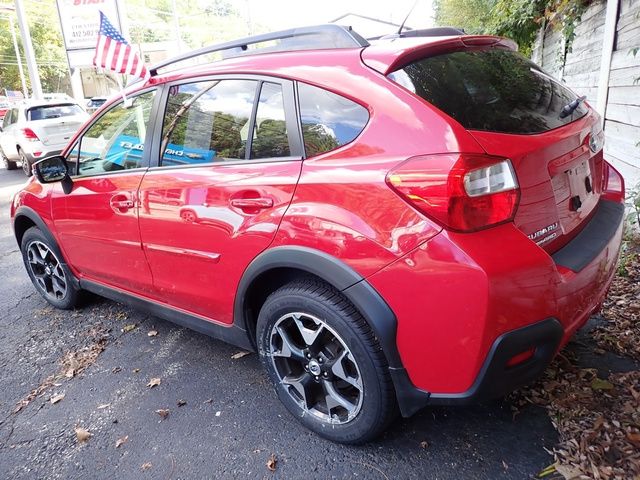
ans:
x=388 y=56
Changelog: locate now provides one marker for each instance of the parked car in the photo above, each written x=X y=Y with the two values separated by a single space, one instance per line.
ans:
x=4 y=108
x=35 y=129
x=95 y=103
x=420 y=221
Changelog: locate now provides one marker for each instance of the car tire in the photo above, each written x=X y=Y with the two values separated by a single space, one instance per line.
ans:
x=8 y=164
x=325 y=362
x=47 y=270
x=26 y=165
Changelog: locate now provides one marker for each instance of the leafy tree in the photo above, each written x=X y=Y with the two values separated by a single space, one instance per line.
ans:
x=49 y=51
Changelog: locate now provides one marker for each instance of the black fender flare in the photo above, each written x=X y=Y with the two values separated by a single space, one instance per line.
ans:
x=351 y=284
x=31 y=214
x=24 y=211
x=360 y=293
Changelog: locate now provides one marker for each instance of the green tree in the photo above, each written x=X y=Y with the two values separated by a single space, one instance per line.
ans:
x=48 y=46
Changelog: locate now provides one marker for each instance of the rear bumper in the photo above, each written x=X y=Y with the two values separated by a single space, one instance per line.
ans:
x=467 y=304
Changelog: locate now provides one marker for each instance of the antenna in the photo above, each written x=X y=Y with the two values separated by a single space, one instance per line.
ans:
x=407 y=17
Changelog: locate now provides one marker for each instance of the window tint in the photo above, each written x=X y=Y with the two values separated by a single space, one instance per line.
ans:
x=207 y=121
x=53 y=111
x=494 y=90
x=328 y=120
x=116 y=140
x=270 y=130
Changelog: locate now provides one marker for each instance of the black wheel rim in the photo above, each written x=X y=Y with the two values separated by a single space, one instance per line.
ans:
x=47 y=270
x=316 y=368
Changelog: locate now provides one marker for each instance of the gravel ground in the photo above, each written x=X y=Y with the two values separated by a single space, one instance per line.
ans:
x=232 y=422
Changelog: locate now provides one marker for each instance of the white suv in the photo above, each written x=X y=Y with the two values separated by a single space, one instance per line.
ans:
x=34 y=130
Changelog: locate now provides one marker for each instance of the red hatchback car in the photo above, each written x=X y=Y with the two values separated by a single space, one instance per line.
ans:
x=422 y=220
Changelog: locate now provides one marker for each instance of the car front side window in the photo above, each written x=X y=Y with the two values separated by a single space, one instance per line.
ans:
x=207 y=122
x=115 y=141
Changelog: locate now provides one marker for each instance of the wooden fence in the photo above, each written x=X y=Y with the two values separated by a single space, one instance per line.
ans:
x=603 y=63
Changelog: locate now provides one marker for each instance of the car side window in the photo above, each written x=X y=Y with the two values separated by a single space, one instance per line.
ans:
x=270 y=138
x=115 y=141
x=9 y=118
x=328 y=120
x=207 y=121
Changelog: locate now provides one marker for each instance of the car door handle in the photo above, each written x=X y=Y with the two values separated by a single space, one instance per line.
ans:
x=121 y=203
x=252 y=202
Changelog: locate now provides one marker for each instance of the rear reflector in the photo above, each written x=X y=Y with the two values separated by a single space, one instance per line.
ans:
x=29 y=134
x=521 y=357
x=463 y=192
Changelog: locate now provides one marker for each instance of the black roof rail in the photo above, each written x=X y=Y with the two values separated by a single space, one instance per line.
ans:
x=303 y=38
x=427 y=32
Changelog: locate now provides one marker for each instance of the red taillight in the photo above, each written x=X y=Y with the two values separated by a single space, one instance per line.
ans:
x=612 y=184
x=29 y=134
x=463 y=192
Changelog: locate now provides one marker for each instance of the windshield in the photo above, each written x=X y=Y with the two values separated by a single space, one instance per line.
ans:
x=494 y=90
x=53 y=111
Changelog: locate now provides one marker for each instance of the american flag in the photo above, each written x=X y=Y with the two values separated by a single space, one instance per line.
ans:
x=114 y=53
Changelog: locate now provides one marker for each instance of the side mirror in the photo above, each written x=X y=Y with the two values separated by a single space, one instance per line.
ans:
x=53 y=169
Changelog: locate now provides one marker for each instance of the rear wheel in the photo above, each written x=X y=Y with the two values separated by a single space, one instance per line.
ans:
x=8 y=164
x=48 y=273
x=325 y=364
x=26 y=166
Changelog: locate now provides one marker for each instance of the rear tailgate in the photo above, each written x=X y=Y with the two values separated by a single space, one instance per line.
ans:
x=56 y=131
x=516 y=111
x=560 y=179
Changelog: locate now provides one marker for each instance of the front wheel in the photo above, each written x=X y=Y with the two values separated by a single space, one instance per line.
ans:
x=48 y=273
x=325 y=363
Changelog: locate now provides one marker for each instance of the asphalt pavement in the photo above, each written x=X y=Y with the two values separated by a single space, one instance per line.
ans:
x=224 y=420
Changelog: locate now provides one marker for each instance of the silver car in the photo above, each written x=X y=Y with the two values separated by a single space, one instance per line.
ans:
x=33 y=130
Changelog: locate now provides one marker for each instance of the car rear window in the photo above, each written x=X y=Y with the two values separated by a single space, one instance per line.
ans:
x=53 y=111
x=493 y=90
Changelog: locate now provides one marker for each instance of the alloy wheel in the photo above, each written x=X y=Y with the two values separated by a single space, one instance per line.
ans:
x=47 y=270
x=316 y=368
x=26 y=166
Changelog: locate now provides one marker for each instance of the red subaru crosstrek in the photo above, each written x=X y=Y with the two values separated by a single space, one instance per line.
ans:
x=422 y=220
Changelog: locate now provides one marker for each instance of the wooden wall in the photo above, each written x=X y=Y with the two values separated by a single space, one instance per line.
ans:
x=580 y=70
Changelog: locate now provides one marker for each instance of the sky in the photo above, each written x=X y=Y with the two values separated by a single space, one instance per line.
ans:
x=281 y=14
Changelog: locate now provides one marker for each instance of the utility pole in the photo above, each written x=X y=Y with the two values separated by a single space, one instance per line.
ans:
x=34 y=76
x=176 y=25
x=18 y=59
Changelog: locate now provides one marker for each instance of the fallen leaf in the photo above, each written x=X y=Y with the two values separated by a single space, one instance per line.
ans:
x=210 y=400
x=56 y=398
x=181 y=403
x=122 y=441
x=121 y=316
x=600 y=384
x=103 y=406
x=70 y=373
x=82 y=435
x=152 y=333
x=163 y=412
x=116 y=370
x=238 y=355
x=218 y=413
x=128 y=328
x=272 y=462
x=154 y=382
x=424 y=444
x=136 y=370
x=146 y=466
